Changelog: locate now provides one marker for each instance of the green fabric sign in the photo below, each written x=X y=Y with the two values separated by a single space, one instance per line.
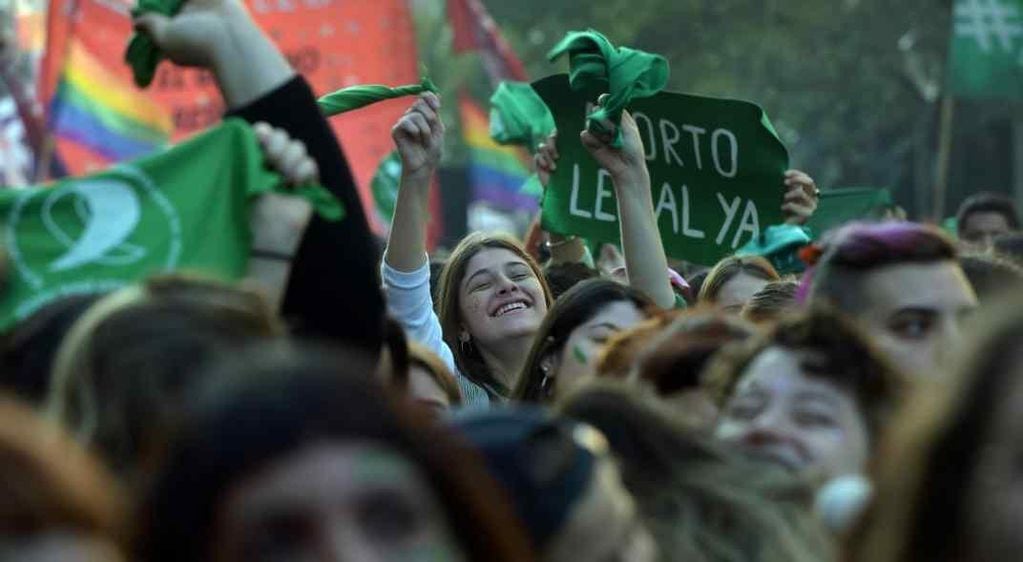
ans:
x=716 y=168
x=142 y=54
x=839 y=206
x=598 y=67
x=184 y=209
x=356 y=97
x=986 y=51
x=384 y=186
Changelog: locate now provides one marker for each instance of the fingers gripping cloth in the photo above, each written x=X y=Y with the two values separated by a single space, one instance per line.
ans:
x=355 y=97
x=142 y=55
x=625 y=74
x=519 y=116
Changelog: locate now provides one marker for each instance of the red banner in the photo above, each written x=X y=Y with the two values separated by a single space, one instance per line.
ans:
x=333 y=43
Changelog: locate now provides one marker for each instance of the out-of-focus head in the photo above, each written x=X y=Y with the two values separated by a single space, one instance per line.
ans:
x=674 y=361
x=734 y=281
x=948 y=481
x=1011 y=246
x=31 y=347
x=812 y=396
x=991 y=275
x=563 y=276
x=901 y=282
x=122 y=370
x=775 y=300
x=564 y=485
x=569 y=342
x=695 y=497
x=430 y=383
x=296 y=455
x=491 y=291
x=984 y=216
x=58 y=502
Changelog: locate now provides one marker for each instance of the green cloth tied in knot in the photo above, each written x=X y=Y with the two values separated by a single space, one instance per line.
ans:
x=597 y=66
x=356 y=97
x=142 y=54
x=519 y=116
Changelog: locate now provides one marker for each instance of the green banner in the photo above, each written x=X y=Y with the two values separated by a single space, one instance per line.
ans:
x=183 y=209
x=716 y=168
x=986 y=51
x=839 y=206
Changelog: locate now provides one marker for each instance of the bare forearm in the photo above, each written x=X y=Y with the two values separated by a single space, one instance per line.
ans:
x=406 y=246
x=246 y=63
x=645 y=261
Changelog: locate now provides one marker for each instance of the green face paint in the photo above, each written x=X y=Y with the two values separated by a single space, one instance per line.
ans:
x=580 y=356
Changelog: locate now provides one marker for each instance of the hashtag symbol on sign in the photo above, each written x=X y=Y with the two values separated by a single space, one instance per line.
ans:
x=989 y=22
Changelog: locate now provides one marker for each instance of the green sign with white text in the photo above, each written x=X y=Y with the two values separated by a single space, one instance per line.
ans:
x=986 y=51
x=716 y=169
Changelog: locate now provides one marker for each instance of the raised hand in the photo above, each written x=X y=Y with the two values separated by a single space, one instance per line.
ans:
x=419 y=136
x=801 y=196
x=287 y=156
x=546 y=159
x=627 y=165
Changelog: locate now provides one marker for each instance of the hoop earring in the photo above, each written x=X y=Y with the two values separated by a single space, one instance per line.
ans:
x=547 y=384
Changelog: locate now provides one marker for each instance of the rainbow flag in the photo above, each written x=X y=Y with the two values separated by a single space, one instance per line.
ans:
x=496 y=172
x=103 y=113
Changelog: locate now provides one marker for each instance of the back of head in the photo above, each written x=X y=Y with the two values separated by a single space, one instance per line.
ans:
x=772 y=302
x=991 y=275
x=563 y=276
x=576 y=307
x=731 y=267
x=268 y=403
x=845 y=255
x=700 y=502
x=121 y=372
x=49 y=484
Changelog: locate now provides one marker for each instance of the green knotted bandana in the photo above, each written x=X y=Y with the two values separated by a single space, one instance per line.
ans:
x=518 y=116
x=595 y=65
x=356 y=97
x=142 y=53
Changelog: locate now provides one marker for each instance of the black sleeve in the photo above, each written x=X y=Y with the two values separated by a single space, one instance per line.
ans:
x=334 y=290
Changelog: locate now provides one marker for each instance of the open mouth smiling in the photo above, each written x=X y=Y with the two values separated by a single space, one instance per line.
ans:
x=510 y=308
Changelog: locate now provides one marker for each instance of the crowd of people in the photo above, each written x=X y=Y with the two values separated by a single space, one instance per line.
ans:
x=516 y=401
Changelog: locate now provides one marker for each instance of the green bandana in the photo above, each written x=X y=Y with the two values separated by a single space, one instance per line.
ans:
x=780 y=245
x=518 y=116
x=385 y=186
x=142 y=53
x=357 y=97
x=596 y=66
x=186 y=208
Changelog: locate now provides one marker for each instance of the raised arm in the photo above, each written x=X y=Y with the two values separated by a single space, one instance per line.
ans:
x=645 y=261
x=419 y=136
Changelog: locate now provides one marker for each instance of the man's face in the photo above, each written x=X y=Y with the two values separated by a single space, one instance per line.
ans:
x=913 y=311
x=982 y=227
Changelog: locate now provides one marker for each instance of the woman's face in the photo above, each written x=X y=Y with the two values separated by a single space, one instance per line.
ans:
x=994 y=495
x=577 y=360
x=500 y=298
x=781 y=414
x=738 y=291
x=334 y=502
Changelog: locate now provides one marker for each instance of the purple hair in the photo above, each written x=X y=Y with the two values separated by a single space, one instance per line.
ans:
x=861 y=247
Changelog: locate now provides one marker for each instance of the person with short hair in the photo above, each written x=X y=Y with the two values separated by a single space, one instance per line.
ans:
x=812 y=395
x=984 y=216
x=900 y=282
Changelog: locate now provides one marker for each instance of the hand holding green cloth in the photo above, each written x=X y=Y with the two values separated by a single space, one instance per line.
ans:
x=142 y=53
x=355 y=97
x=596 y=66
x=519 y=116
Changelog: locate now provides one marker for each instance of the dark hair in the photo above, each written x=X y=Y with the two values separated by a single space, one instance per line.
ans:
x=675 y=360
x=988 y=202
x=696 y=282
x=771 y=302
x=269 y=403
x=30 y=348
x=850 y=362
x=931 y=452
x=699 y=501
x=574 y=308
x=1010 y=246
x=850 y=252
x=730 y=268
x=991 y=275
x=468 y=360
x=397 y=347
x=563 y=276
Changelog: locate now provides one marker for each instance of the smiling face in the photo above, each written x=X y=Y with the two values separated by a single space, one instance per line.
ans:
x=780 y=413
x=913 y=311
x=500 y=298
x=335 y=502
x=577 y=360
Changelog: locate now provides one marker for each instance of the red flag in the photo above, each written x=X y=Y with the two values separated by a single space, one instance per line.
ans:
x=475 y=31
